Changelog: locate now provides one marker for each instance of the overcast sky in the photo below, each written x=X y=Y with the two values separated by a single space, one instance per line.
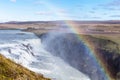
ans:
x=39 y=10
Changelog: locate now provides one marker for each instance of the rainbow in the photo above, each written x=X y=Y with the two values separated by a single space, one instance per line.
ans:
x=72 y=26
x=90 y=46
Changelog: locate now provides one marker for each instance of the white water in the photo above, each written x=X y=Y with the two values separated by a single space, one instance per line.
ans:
x=26 y=49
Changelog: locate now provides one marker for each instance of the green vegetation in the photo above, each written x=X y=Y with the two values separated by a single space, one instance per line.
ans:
x=12 y=71
x=105 y=43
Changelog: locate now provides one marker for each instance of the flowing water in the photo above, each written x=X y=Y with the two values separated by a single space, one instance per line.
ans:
x=73 y=50
x=28 y=50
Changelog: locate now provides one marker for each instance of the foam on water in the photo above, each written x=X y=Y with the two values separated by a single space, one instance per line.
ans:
x=27 y=50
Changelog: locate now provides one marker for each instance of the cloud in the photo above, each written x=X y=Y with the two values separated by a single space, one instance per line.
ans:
x=114 y=3
x=92 y=16
x=114 y=16
x=43 y=13
x=94 y=8
x=79 y=6
x=39 y=2
x=95 y=17
x=61 y=12
x=111 y=8
x=92 y=11
x=105 y=14
x=13 y=0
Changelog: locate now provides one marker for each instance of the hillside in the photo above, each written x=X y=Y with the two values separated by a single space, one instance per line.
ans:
x=12 y=71
x=108 y=51
x=85 y=27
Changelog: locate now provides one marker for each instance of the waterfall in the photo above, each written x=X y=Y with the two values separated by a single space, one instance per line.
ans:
x=73 y=51
x=29 y=51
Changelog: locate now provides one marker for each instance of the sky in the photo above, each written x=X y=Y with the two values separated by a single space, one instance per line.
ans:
x=47 y=10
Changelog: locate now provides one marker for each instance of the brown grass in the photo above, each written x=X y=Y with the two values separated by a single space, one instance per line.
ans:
x=12 y=71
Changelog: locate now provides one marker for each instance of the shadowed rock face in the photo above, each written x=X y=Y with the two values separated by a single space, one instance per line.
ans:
x=112 y=61
x=72 y=50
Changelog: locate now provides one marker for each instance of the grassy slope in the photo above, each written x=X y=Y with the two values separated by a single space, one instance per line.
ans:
x=12 y=71
x=105 y=43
